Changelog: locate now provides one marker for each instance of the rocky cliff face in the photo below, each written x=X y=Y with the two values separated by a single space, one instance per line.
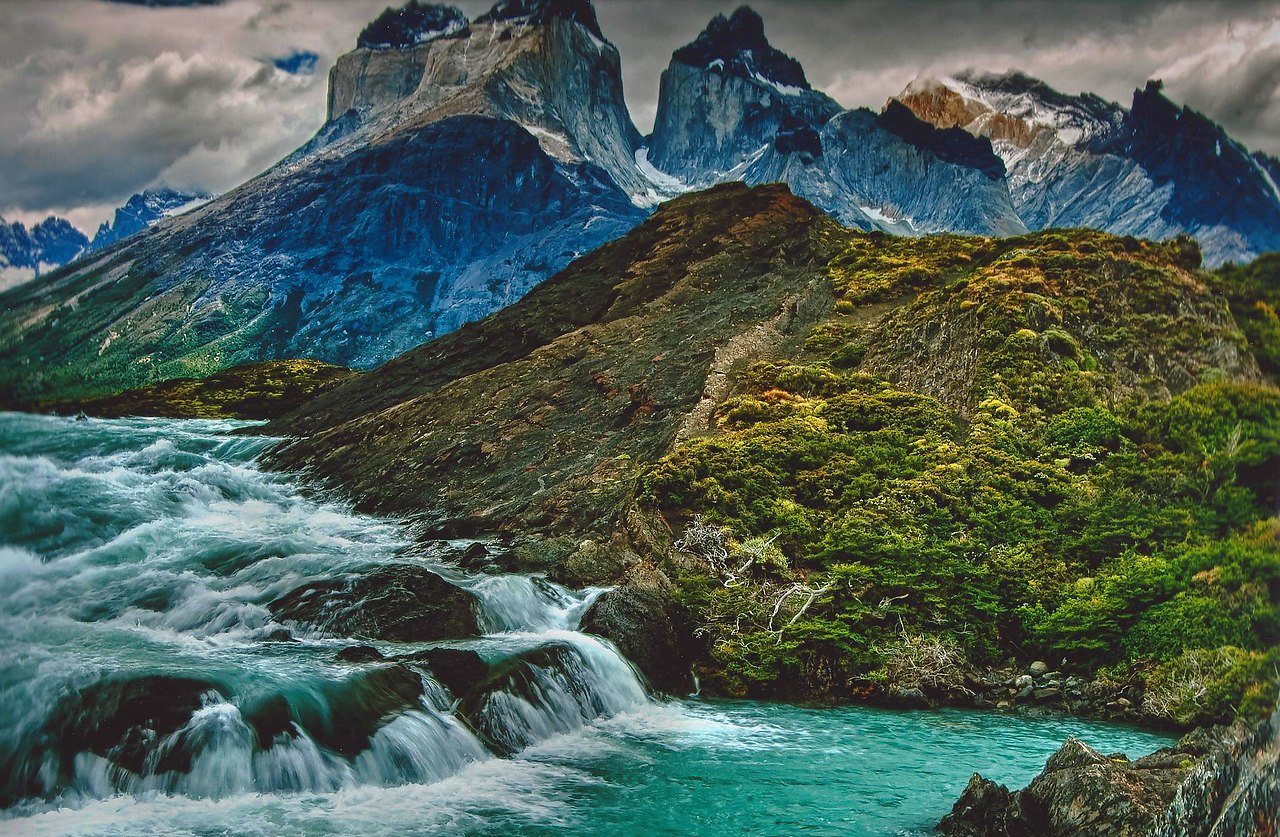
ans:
x=1234 y=790
x=729 y=98
x=1153 y=171
x=544 y=66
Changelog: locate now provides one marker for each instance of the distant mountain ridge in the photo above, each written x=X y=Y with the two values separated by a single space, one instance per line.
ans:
x=1153 y=171
x=463 y=162
x=55 y=241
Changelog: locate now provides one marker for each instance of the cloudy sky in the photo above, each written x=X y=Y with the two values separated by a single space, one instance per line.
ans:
x=100 y=99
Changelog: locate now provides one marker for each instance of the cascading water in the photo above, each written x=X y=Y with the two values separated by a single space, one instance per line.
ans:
x=188 y=646
x=142 y=654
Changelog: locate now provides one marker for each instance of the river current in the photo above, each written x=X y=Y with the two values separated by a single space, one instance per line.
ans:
x=147 y=688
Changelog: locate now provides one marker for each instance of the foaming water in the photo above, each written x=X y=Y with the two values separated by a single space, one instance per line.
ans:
x=146 y=686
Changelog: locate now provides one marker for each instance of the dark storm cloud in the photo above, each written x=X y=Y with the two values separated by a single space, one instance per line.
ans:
x=1219 y=57
x=103 y=99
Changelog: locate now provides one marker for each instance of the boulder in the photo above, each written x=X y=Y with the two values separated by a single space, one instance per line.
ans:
x=1038 y=668
x=123 y=718
x=399 y=602
x=351 y=710
x=980 y=811
x=644 y=620
x=359 y=654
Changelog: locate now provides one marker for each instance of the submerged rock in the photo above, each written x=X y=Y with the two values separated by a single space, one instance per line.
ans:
x=350 y=711
x=121 y=718
x=400 y=602
x=124 y=718
x=460 y=670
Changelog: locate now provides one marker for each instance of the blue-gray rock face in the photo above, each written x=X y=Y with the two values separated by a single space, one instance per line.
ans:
x=141 y=211
x=1153 y=171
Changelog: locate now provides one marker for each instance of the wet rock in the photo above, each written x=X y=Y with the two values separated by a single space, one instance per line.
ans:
x=279 y=635
x=1234 y=789
x=401 y=603
x=270 y=718
x=980 y=811
x=643 y=619
x=359 y=654
x=460 y=670
x=523 y=679
x=1023 y=681
x=122 y=719
x=1046 y=694
x=348 y=712
x=473 y=557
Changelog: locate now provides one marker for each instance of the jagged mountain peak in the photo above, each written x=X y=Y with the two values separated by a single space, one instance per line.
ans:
x=737 y=45
x=141 y=211
x=541 y=12
x=411 y=25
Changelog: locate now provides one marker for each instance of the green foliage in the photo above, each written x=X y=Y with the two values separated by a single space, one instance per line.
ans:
x=878 y=267
x=1254 y=294
x=1065 y=511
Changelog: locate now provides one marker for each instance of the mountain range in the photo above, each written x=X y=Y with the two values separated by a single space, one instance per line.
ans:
x=53 y=242
x=464 y=162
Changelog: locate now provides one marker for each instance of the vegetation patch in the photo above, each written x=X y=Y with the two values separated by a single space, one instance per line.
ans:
x=1090 y=478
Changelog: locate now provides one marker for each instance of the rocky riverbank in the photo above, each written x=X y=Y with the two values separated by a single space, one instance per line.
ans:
x=1215 y=782
x=1034 y=689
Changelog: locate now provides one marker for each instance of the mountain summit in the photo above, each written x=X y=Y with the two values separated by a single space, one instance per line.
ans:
x=462 y=163
x=737 y=46
x=733 y=107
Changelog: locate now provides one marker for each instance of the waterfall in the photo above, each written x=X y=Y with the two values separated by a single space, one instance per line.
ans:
x=139 y=653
